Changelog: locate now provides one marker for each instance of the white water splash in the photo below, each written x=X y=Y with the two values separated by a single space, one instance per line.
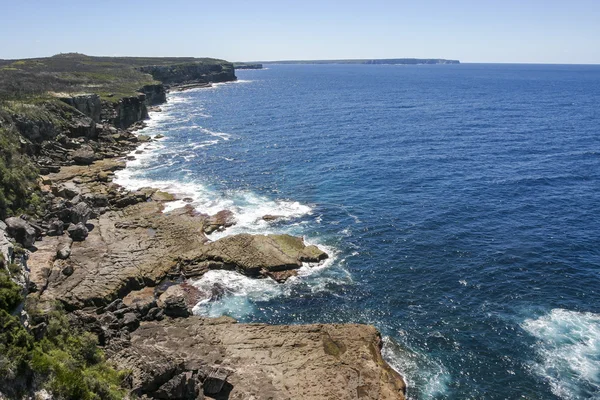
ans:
x=568 y=347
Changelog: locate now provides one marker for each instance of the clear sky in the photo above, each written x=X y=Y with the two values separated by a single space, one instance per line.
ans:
x=532 y=31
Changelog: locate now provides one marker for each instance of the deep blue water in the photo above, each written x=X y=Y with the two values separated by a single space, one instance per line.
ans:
x=460 y=204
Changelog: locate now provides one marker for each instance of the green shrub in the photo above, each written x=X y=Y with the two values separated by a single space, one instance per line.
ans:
x=17 y=176
x=67 y=362
x=10 y=292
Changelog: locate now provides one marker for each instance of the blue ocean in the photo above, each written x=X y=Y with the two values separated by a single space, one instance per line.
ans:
x=460 y=205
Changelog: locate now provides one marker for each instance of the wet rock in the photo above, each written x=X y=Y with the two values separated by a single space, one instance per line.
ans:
x=77 y=232
x=162 y=196
x=254 y=255
x=22 y=231
x=221 y=220
x=270 y=217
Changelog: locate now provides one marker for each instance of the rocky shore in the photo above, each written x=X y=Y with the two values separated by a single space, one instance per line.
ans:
x=120 y=267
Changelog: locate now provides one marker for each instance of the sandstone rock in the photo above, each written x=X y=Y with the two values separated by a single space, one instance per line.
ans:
x=77 y=232
x=254 y=255
x=181 y=387
x=162 y=196
x=66 y=190
x=127 y=250
x=6 y=247
x=221 y=220
x=142 y=300
x=118 y=304
x=22 y=232
x=262 y=362
x=178 y=300
x=84 y=155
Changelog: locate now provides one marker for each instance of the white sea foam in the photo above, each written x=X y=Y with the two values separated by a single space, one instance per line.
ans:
x=421 y=374
x=234 y=294
x=231 y=293
x=568 y=347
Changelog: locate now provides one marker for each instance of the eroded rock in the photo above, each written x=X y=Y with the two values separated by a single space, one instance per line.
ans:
x=238 y=361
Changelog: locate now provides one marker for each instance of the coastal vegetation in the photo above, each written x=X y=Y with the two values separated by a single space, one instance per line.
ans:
x=63 y=360
x=18 y=174
x=110 y=77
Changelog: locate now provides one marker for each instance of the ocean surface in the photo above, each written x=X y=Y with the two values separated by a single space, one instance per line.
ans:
x=460 y=205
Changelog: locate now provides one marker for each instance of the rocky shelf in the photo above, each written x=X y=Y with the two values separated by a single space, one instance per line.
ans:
x=119 y=265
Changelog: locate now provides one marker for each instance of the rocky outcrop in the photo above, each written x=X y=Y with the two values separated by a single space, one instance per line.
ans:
x=222 y=359
x=22 y=231
x=252 y=255
x=88 y=104
x=130 y=110
x=175 y=74
x=155 y=94
x=221 y=220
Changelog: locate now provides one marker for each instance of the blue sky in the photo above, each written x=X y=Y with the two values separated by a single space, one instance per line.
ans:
x=531 y=31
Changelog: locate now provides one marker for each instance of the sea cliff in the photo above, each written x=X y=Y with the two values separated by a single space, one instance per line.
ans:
x=93 y=260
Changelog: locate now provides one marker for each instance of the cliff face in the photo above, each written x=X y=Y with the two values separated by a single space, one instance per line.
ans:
x=88 y=104
x=155 y=94
x=191 y=72
x=129 y=110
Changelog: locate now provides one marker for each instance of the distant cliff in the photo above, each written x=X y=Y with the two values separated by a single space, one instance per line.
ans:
x=191 y=72
x=391 y=61
x=248 y=65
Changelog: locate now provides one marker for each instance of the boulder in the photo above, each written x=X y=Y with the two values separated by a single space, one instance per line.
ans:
x=56 y=228
x=215 y=380
x=178 y=300
x=80 y=213
x=23 y=232
x=130 y=321
x=181 y=387
x=66 y=190
x=63 y=251
x=77 y=232
x=84 y=155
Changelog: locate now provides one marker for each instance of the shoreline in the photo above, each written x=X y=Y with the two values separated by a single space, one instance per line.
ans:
x=160 y=246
